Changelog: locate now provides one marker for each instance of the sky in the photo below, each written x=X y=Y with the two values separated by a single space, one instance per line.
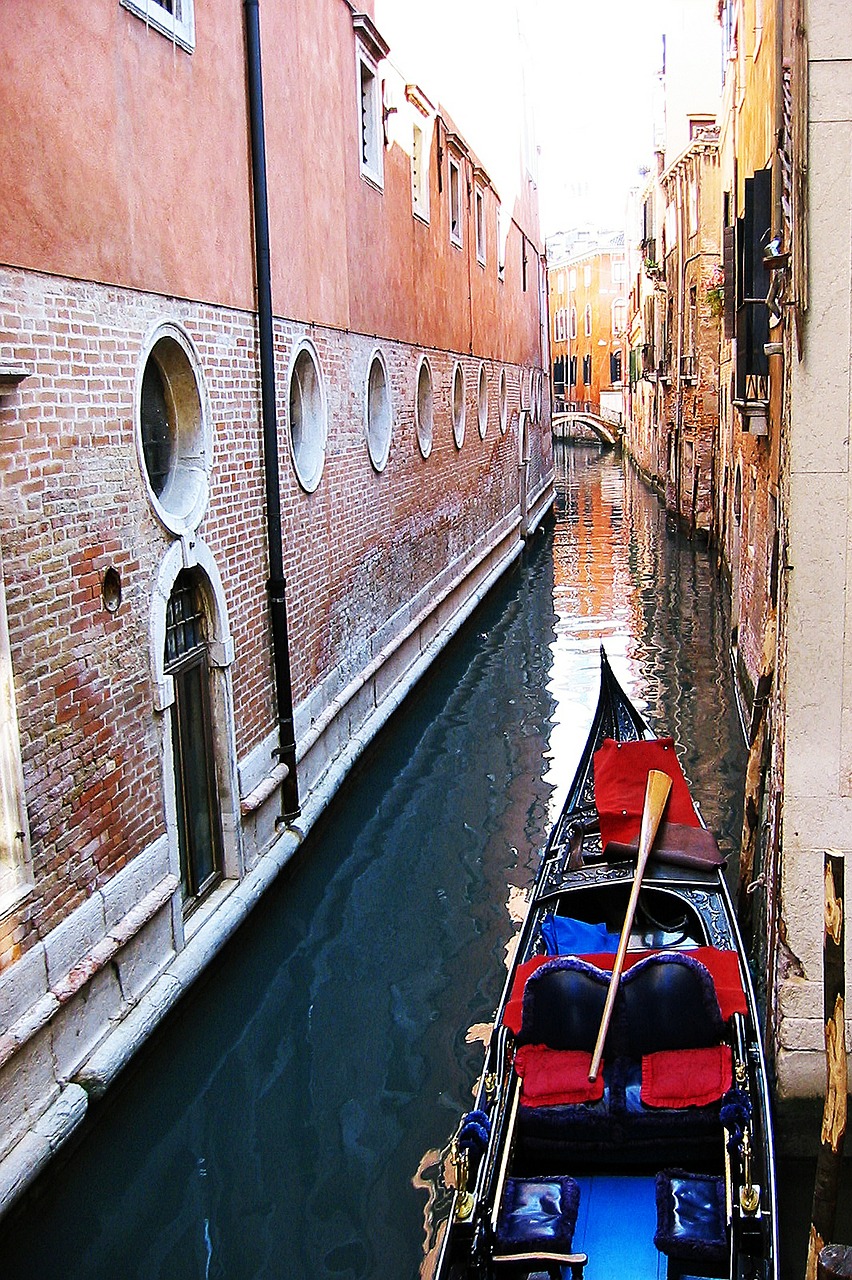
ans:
x=590 y=72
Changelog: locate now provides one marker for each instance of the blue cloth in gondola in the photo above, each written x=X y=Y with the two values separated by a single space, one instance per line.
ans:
x=564 y=936
x=538 y=1214
x=691 y=1223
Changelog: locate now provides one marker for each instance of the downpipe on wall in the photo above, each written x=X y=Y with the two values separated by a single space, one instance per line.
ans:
x=276 y=586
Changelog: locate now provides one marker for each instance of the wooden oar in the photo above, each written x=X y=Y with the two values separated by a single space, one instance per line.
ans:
x=656 y=795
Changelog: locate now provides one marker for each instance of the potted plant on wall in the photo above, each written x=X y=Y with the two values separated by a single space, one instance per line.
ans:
x=716 y=291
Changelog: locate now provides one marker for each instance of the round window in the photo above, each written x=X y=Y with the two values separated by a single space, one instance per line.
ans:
x=174 y=441
x=308 y=418
x=482 y=400
x=503 y=397
x=379 y=415
x=458 y=406
x=425 y=407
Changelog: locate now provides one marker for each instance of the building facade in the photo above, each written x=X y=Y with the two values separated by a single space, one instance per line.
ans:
x=671 y=399
x=587 y=290
x=769 y=289
x=288 y=335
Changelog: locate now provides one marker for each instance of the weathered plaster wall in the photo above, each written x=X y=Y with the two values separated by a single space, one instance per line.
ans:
x=818 y=763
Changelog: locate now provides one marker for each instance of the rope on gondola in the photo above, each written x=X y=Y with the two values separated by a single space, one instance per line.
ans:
x=474 y=1132
x=735 y=1115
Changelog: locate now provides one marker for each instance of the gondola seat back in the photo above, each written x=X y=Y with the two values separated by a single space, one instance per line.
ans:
x=669 y=1002
x=563 y=1005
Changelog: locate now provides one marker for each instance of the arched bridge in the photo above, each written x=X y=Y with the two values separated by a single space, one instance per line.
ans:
x=607 y=432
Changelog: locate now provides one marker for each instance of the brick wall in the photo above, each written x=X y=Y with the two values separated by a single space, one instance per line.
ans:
x=357 y=551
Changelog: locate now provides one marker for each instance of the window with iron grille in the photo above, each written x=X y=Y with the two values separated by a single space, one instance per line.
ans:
x=196 y=793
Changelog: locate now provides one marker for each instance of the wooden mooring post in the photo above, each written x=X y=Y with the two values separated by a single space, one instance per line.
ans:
x=821 y=1259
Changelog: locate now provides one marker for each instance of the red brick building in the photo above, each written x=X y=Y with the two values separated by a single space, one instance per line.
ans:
x=204 y=395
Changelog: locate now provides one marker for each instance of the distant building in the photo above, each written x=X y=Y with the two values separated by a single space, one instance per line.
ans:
x=587 y=290
x=274 y=419
x=673 y=366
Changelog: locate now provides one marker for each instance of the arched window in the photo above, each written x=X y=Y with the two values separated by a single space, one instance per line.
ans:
x=199 y=820
x=587 y=320
x=573 y=322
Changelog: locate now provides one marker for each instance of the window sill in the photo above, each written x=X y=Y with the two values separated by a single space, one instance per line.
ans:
x=373 y=180
x=154 y=16
x=207 y=908
x=11 y=899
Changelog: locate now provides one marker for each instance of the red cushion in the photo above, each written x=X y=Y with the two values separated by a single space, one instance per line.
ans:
x=621 y=776
x=556 y=1077
x=723 y=966
x=686 y=1077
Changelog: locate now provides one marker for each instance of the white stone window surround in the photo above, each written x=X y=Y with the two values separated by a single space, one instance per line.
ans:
x=370 y=49
x=175 y=20
x=182 y=504
x=458 y=404
x=307 y=415
x=502 y=235
x=16 y=877
x=587 y=320
x=479 y=207
x=503 y=402
x=454 y=190
x=378 y=410
x=193 y=553
x=419 y=174
x=422 y=118
x=482 y=400
x=424 y=406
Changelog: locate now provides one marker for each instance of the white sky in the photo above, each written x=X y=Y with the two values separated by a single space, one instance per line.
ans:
x=592 y=68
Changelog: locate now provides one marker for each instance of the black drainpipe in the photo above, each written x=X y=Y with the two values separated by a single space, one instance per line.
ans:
x=275 y=586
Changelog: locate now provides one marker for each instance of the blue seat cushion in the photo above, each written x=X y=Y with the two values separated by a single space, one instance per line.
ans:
x=538 y=1214
x=691 y=1216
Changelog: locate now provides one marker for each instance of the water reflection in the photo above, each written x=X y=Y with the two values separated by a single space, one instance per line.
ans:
x=290 y=1120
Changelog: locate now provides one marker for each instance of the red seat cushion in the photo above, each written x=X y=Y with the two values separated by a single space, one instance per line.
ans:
x=556 y=1077
x=686 y=1077
x=724 y=969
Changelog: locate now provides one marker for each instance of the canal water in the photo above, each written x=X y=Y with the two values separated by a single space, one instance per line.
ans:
x=288 y=1121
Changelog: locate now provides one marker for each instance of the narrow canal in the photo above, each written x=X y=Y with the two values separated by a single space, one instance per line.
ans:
x=287 y=1122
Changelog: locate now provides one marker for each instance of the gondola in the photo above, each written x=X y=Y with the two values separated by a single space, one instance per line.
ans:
x=621 y=1126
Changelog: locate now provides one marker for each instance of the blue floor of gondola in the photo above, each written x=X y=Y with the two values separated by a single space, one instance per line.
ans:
x=615 y=1227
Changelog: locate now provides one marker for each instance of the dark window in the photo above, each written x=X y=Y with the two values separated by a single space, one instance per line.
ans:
x=615 y=366
x=157 y=430
x=752 y=321
x=199 y=822
x=587 y=370
x=573 y=371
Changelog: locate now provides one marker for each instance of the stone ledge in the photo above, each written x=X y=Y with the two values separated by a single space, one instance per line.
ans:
x=62 y=991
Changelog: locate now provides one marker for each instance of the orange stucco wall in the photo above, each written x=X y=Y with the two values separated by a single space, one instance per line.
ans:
x=119 y=176
x=138 y=187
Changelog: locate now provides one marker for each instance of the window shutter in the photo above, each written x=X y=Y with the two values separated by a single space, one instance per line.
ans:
x=729 y=264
